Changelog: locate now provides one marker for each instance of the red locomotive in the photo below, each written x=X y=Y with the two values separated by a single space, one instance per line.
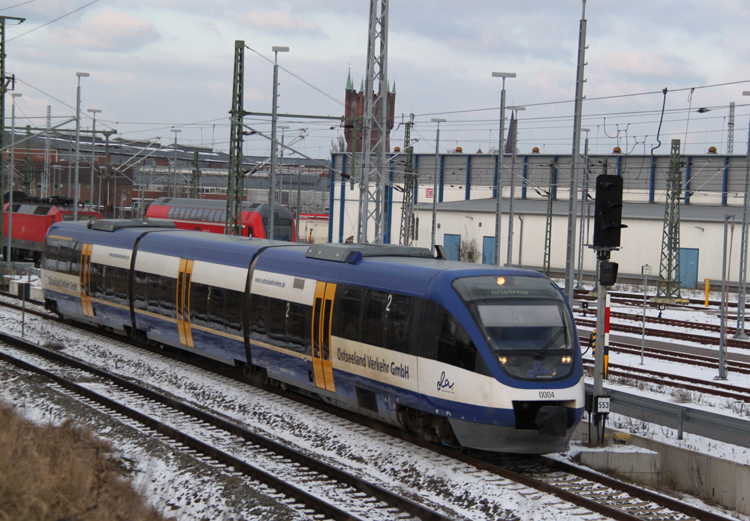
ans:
x=32 y=217
x=209 y=215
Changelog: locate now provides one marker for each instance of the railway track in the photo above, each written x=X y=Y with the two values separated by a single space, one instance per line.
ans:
x=313 y=486
x=576 y=488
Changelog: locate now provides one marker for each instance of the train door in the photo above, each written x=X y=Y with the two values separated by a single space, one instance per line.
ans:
x=84 y=275
x=321 y=335
x=183 y=302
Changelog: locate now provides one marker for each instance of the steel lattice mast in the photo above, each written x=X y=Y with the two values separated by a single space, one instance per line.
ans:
x=195 y=179
x=372 y=180
x=234 y=175
x=407 y=206
x=548 y=226
x=668 y=286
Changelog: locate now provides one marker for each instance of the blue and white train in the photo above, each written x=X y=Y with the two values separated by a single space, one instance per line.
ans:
x=468 y=355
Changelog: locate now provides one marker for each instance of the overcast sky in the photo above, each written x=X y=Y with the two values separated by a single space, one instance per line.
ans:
x=159 y=64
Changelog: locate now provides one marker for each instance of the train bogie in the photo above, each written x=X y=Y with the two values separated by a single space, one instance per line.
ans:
x=473 y=356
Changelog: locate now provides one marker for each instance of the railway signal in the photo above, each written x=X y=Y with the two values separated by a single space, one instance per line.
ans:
x=608 y=212
x=607 y=229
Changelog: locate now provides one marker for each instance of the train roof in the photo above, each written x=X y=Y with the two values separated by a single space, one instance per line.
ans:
x=220 y=204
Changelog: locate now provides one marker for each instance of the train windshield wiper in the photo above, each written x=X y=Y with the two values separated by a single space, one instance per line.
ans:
x=550 y=342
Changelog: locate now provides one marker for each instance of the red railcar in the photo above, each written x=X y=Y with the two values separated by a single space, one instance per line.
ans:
x=31 y=220
x=209 y=215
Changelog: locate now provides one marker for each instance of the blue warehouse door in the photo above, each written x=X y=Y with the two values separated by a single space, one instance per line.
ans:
x=452 y=244
x=689 y=268
x=488 y=250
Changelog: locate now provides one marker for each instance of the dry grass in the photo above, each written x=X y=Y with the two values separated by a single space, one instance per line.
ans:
x=61 y=474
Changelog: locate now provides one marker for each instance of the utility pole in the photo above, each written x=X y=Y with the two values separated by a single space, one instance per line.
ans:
x=195 y=179
x=668 y=285
x=375 y=119
x=6 y=83
x=407 y=204
x=574 y=171
x=46 y=192
x=548 y=228
x=584 y=208
x=236 y=135
x=174 y=163
x=272 y=175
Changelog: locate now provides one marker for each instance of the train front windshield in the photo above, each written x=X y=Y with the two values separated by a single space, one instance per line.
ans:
x=525 y=323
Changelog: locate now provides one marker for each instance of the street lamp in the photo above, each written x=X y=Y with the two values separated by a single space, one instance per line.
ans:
x=10 y=177
x=271 y=178
x=435 y=182
x=174 y=164
x=513 y=140
x=743 y=251
x=499 y=186
x=93 y=158
x=78 y=142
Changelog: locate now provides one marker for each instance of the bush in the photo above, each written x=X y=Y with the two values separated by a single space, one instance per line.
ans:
x=61 y=473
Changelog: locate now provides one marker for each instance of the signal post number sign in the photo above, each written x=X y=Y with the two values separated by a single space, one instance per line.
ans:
x=429 y=193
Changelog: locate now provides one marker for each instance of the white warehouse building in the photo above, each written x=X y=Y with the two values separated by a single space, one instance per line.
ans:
x=466 y=209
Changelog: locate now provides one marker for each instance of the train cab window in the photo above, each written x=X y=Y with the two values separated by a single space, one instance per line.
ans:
x=372 y=327
x=525 y=321
x=349 y=309
x=171 y=212
x=454 y=345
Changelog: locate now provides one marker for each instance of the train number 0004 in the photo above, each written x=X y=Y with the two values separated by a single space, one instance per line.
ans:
x=546 y=394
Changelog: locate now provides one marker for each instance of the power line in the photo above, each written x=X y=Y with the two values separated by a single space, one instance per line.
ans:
x=51 y=21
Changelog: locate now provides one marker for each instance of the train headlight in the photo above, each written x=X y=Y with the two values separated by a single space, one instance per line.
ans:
x=500 y=281
x=502 y=359
x=566 y=359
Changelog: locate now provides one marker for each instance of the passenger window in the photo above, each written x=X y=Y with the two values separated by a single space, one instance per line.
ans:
x=204 y=215
x=167 y=296
x=277 y=319
x=216 y=317
x=181 y=213
x=351 y=303
x=199 y=304
x=97 y=281
x=140 y=290
x=399 y=323
x=234 y=312
x=258 y=312
x=297 y=323
x=51 y=252
x=211 y=215
x=152 y=297
x=454 y=345
x=170 y=213
x=372 y=328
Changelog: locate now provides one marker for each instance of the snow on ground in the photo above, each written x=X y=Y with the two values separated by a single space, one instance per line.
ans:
x=169 y=480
